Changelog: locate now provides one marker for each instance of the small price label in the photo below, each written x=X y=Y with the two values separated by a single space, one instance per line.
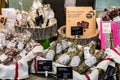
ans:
x=64 y=73
x=76 y=30
x=106 y=27
x=44 y=65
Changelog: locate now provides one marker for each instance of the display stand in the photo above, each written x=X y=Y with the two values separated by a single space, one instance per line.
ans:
x=81 y=41
x=40 y=33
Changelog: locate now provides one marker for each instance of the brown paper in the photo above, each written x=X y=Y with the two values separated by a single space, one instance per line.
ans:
x=76 y=15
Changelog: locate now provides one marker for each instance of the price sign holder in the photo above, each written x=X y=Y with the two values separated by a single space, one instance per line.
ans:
x=64 y=73
x=44 y=66
x=76 y=31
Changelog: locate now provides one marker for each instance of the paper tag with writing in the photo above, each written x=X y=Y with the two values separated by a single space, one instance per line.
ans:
x=20 y=45
x=3 y=57
x=106 y=27
x=23 y=53
x=37 y=5
x=7 y=42
x=11 y=44
x=2 y=38
x=18 y=16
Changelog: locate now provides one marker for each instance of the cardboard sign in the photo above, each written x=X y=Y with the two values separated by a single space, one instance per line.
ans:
x=44 y=65
x=81 y=16
x=64 y=73
x=3 y=20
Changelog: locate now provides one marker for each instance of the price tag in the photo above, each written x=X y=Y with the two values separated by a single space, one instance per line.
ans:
x=64 y=73
x=20 y=45
x=10 y=44
x=44 y=65
x=3 y=57
x=76 y=30
x=106 y=27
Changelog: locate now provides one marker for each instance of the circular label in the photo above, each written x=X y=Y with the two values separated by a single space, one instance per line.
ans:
x=89 y=16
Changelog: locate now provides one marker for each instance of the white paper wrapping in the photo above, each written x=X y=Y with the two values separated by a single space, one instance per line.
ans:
x=64 y=59
x=37 y=4
x=65 y=44
x=50 y=55
x=3 y=57
x=75 y=61
x=87 y=54
x=58 y=48
x=91 y=61
x=8 y=72
x=10 y=13
x=49 y=13
x=115 y=55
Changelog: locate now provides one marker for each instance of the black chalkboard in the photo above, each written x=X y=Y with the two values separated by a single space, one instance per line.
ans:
x=39 y=20
x=76 y=30
x=64 y=73
x=109 y=74
x=44 y=65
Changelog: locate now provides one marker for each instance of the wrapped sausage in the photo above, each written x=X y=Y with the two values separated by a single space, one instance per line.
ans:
x=51 y=52
x=72 y=51
x=77 y=59
x=90 y=62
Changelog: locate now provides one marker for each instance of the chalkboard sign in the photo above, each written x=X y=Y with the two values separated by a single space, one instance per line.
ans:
x=44 y=65
x=109 y=74
x=77 y=30
x=64 y=73
x=39 y=20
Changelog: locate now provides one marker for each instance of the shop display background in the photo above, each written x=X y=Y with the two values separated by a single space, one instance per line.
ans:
x=101 y=4
x=15 y=4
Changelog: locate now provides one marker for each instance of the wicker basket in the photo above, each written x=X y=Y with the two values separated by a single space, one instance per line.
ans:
x=81 y=41
x=40 y=33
